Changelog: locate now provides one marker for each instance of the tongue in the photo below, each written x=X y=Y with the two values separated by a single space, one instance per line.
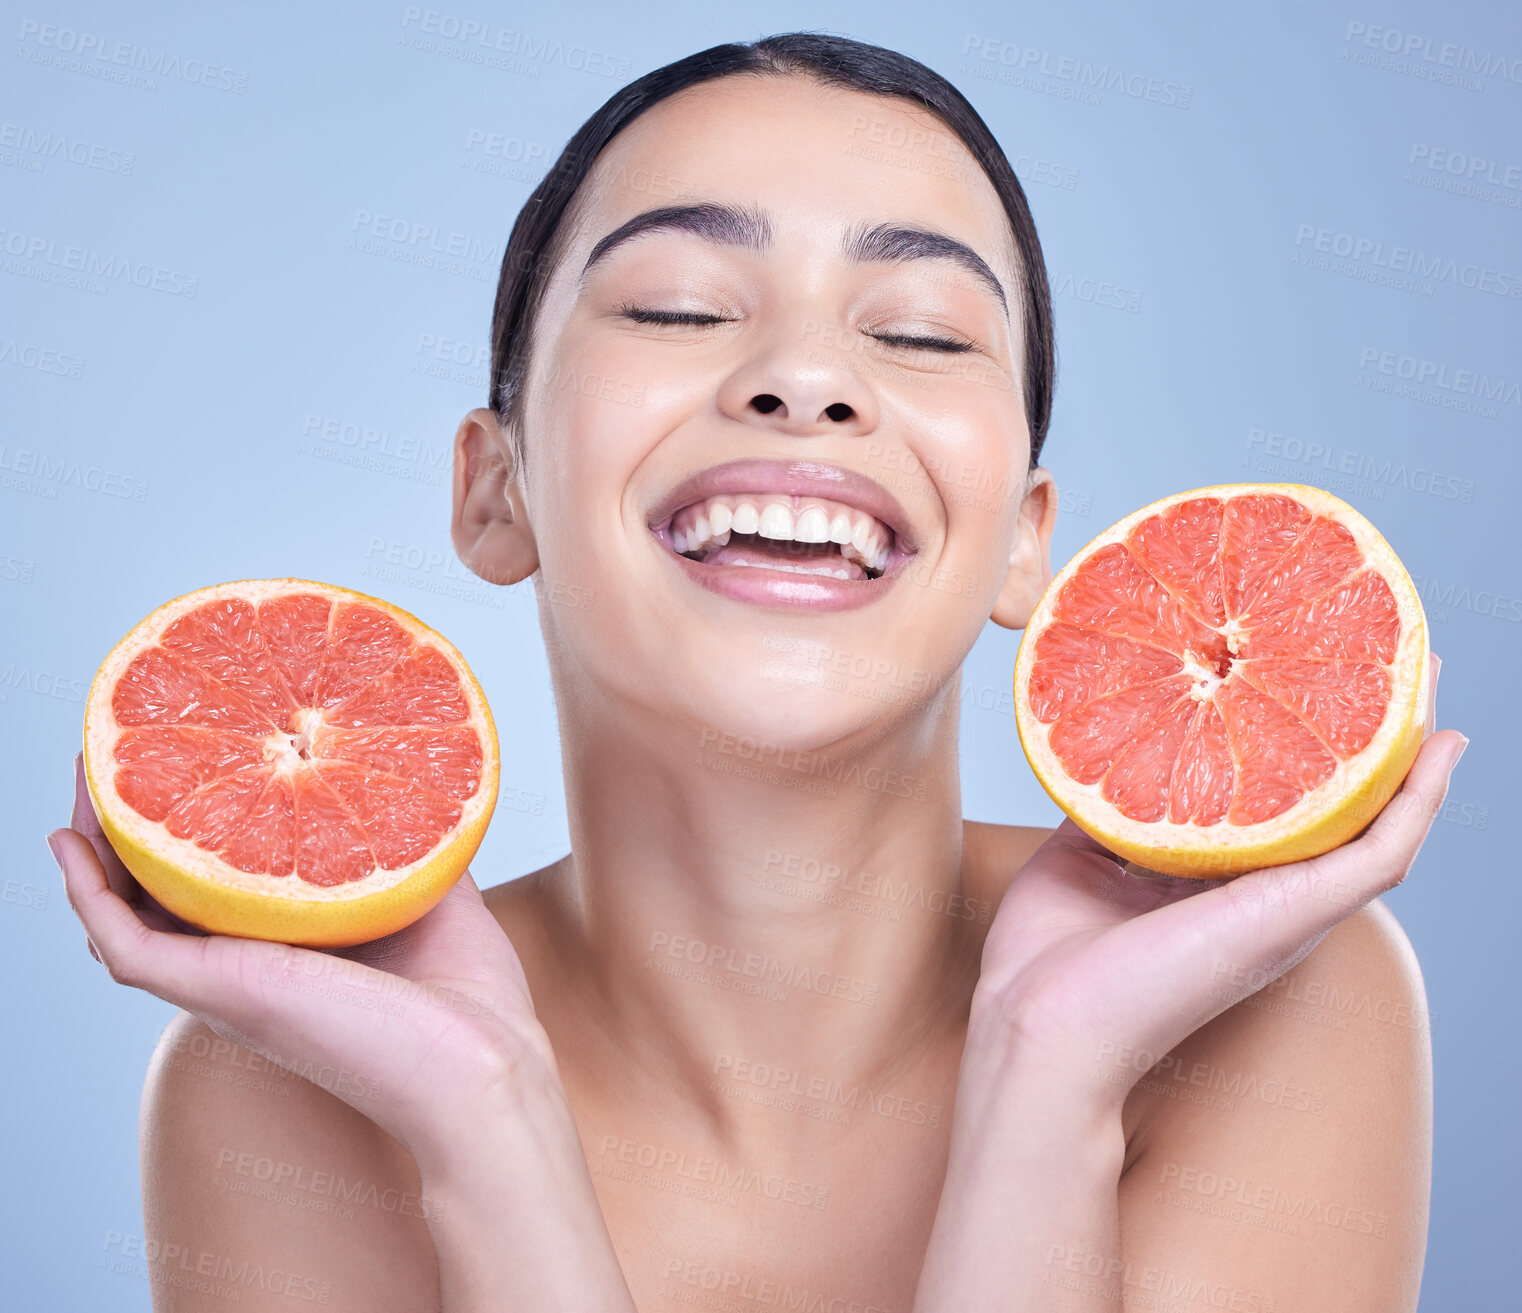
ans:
x=812 y=558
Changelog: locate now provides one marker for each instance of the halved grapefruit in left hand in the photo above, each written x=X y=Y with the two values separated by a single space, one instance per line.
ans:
x=1229 y=678
x=286 y=760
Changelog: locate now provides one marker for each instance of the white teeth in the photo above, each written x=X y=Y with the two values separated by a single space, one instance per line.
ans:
x=746 y=520
x=776 y=522
x=813 y=526
x=862 y=539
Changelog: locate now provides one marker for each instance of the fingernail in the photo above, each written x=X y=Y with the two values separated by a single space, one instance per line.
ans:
x=53 y=848
x=1463 y=743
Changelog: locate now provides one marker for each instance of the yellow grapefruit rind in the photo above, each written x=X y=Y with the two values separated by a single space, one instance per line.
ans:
x=1325 y=817
x=201 y=888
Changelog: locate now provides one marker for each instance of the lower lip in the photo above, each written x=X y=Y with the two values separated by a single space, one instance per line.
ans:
x=784 y=588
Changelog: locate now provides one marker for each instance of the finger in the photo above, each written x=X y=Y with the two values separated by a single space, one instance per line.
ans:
x=1268 y=920
x=1070 y=837
x=287 y=1003
x=123 y=883
x=1429 y=723
x=115 y=933
x=1383 y=855
x=87 y=823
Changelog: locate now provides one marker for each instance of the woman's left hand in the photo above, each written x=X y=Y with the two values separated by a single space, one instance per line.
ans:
x=1092 y=967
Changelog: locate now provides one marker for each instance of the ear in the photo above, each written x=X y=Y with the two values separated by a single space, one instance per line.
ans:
x=1030 y=559
x=489 y=526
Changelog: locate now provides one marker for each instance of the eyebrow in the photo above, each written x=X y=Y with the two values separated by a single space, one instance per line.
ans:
x=732 y=225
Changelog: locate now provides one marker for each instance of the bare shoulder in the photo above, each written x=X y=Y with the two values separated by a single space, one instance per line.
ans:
x=261 y=1186
x=992 y=853
x=1283 y=1152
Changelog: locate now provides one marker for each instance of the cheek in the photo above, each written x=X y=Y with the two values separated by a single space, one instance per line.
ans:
x=975 y=448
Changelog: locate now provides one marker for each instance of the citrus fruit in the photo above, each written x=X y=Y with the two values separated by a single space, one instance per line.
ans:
x=1229 y=678
x=287 y=760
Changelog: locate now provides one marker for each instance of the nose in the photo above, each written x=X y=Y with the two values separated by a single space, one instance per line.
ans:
x=800 y=391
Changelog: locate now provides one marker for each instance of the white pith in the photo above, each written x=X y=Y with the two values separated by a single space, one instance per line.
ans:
x=704 y=525
x=1409 y=674
x=102 y=732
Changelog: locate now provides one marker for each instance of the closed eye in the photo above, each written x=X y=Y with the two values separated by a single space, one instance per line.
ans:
x=644 y=315
x=927 y=343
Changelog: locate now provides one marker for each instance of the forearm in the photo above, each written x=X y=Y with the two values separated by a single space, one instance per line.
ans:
x=1029 y=1218
x=516 y=1223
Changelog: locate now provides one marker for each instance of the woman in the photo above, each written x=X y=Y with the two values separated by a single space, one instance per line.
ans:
x=761 y=1037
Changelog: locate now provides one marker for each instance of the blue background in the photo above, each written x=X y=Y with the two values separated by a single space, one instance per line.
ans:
x=152 y=441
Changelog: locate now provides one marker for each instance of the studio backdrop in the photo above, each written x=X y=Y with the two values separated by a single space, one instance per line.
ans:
x=247 y=260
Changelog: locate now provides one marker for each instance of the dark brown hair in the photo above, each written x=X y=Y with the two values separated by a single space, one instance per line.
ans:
x=534 y=247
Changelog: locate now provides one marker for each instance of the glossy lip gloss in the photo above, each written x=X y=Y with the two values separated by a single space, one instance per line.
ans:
x=761 y=586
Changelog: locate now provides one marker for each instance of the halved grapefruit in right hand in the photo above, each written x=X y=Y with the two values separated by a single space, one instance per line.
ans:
x=1227 y=679
x=288 y=760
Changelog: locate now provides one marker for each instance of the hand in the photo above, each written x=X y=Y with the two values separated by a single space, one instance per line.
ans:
x=1088 y=964
x=427 y=1017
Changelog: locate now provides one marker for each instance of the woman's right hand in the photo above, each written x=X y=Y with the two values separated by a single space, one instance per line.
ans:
x=428 y=1019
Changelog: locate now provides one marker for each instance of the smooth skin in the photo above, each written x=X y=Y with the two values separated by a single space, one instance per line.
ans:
x=1043 y=1084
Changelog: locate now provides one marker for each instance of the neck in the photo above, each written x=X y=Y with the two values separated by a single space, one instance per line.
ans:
x=731 y=911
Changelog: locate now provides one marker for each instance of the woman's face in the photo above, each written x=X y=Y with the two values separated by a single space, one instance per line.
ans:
x=830 y=377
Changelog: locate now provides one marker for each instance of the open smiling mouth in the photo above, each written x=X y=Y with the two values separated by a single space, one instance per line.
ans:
x=797 y=534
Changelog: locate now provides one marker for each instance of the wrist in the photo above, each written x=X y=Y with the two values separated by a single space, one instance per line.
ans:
x=1005 y=1053
x=514 y=1217
x=513 y=1109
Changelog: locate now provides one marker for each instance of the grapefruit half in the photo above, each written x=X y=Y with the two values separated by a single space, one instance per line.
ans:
x=1227 y=679
x=288 y=760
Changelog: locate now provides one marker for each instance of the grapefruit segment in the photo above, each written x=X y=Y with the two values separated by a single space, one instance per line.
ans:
x=1137 y=781
x=1074 y=666
x=296 y=626
x=223 y=640
x=1228 y=678
x=1204 y=776
x=157 y=765
x=1113 y=593
x=363 y=643
x=1181 y=548
x=444 y=758
x=1089 y=739
x=1257 y=532
x=289 y=760
x=1340 y=700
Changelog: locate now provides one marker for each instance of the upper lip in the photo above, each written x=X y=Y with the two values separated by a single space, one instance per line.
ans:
x=802 y=478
